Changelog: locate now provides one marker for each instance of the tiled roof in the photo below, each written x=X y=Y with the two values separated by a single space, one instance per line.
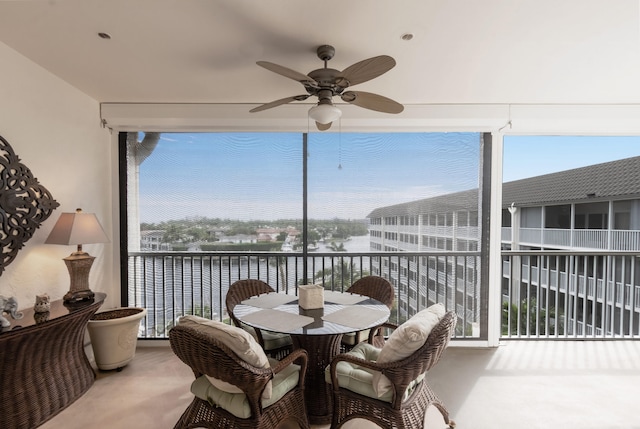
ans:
x=616 y=179
x=464 y=200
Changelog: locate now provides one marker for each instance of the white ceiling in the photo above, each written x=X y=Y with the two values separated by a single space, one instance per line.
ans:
x=463 y=51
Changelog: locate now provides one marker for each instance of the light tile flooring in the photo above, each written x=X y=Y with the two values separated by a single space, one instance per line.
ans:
x=534 y=384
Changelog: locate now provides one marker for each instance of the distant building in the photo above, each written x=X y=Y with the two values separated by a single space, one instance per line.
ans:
x=590 y=208
x=214 y=233
x=152 y=240
x=262 y=238
x=239 y=239
x=268 y=234
x=272 y=233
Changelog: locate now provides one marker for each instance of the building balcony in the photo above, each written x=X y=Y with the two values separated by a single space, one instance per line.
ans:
x=583 y=239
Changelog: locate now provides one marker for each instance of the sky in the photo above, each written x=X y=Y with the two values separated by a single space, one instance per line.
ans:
x=249 y=176
x=529 y=156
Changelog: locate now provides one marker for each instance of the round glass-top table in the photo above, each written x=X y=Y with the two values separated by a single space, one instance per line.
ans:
x=318 y=331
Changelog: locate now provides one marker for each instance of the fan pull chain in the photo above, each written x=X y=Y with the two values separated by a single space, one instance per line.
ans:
x=340 y=144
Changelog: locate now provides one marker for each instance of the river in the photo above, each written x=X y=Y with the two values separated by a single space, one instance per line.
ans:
x=182 y=285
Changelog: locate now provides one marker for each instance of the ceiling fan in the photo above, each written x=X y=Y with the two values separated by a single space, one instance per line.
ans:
x=326 y=83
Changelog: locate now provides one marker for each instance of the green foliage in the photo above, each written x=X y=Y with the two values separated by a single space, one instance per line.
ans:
x=238 y=228
x=338 y=277
x=529 y=317
x=313 y=236
x=203 y=311
x=337 y=247
x=343 y=229
x=204 y=230
x=248 y=247
x=172 y=234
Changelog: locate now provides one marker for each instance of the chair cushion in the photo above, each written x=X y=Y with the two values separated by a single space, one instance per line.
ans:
x=272 y=340
x=239 y=341
x=355 y=377
x=353 y=338
x=405 y=340
x=359 y=379
x=275 y=341
x=237 y=403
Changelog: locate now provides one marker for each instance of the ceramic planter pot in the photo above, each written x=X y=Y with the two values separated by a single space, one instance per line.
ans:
x=114 y=334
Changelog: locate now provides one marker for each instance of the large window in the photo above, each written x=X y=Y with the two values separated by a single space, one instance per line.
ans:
x=204 y=209
x=197 y=189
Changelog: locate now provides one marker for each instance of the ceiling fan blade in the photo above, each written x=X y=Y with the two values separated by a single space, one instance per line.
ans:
x=279 y=102
x=365 y=70
x=323 y=127
x=286 y=72
x=372 y=101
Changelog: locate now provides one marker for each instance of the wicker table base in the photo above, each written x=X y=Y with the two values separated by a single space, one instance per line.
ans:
x=44 y=366
x=317 y=393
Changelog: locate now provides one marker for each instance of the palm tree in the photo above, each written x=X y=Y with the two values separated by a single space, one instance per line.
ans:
x=280 y=262
x=337 y=247
x=536 y=319
x=339 y=276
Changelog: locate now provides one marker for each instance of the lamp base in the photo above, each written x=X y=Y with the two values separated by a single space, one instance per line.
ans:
x=79 y=264
x=72 y=297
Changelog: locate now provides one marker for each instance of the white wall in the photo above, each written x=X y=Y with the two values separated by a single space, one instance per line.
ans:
x=56 y=132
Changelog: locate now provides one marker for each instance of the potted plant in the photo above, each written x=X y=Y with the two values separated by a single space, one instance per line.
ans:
x=114 y=334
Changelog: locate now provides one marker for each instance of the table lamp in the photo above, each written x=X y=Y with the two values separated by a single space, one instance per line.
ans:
x=78 y=228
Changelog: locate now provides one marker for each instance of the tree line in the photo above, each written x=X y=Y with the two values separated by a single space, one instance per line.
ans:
x=203 y=229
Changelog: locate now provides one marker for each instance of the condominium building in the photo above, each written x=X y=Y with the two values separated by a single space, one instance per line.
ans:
x=583 y=223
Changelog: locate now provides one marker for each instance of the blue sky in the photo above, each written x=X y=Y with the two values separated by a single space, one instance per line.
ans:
x=251 y=176
x=529 y=156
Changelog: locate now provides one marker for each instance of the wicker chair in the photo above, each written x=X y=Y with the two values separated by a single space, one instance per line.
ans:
x=377 y=288
x=206 y=355
x=410 y=394
x=274 y=344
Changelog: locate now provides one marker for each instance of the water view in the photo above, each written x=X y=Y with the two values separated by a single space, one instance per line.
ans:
x=416 y=195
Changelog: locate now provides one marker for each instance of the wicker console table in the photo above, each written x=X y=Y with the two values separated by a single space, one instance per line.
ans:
x=44 y=366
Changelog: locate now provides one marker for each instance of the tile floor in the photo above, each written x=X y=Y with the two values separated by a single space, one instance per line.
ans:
x=529 y=384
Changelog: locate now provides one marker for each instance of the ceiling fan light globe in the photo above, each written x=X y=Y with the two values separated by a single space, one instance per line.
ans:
x=324 y=113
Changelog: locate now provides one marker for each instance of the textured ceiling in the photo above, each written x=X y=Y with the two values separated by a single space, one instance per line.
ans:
x=463 y=51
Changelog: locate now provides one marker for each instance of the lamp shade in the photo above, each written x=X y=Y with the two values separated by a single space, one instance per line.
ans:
x=324 y=113
x=77 y=228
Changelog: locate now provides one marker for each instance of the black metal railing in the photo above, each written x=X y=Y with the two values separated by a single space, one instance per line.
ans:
x=172 y=284
x=545 y=294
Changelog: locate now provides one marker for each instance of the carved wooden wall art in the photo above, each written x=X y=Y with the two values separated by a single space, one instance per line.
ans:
x=24 y=204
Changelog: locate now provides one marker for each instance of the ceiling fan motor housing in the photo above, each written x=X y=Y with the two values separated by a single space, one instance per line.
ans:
x=325 y=80
x=326 y=52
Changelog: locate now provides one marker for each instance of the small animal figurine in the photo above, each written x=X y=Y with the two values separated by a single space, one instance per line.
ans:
x=41 y=317
x=43 y=304
x=9 y=306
